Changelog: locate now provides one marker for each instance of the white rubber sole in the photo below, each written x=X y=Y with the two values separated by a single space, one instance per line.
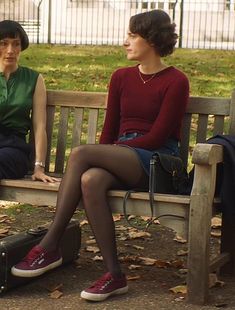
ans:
x=34 y=273
x=101 y=297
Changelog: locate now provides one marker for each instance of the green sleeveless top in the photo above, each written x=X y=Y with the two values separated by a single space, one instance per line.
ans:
x=16 y=100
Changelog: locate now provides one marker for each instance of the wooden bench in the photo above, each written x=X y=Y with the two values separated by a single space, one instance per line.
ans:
x=77 y=117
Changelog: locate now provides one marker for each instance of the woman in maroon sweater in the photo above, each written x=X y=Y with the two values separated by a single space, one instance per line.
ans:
x=146 y=104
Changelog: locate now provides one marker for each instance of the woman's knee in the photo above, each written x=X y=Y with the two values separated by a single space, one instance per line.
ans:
x=78 y=153
x=90 y=182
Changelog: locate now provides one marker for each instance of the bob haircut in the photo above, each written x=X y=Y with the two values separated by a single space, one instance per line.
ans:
x=12 y=29
x=156 y=28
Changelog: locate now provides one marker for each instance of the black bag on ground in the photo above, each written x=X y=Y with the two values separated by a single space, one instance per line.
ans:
x=14 y=248
x=167 y=174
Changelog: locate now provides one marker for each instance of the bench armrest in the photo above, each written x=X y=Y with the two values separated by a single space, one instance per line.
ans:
x=207 y=154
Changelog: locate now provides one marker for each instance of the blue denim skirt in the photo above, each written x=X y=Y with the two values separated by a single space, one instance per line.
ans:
x=171 y=147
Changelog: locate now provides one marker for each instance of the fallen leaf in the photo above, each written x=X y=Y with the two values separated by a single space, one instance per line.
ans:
x=54 y=287
x=182 y=252
x=97 y=258
x=216 y=233
x=179 y=289
x=130 y=217
x=147 y=261
x=56 y=294
x=134 y=267
x=214 y=282
x=162 y=263
x=177 y=263
x=183 y=271
x=132 y=278
x=137 y=247
x=121 y=228
x=117 y=217
x=84 y=222
x=122 y=238
x=129 y=259
x=156 y=222
x=180 y=239
x=3 y=216
x=3 y=232
x=92 y=241
x=145 y=218
x=93 y=249
x=139 y=234
x=180 y=298
x=216 y=222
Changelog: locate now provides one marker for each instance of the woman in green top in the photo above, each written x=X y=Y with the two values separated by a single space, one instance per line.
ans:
x=22 y=104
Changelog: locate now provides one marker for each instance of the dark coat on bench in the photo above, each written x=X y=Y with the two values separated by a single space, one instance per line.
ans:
x=225 y=186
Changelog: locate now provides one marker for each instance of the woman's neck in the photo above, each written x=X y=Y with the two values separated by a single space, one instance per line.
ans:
x=151 y=67
x=7 y=70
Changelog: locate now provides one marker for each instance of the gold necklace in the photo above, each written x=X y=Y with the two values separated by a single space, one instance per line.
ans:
x=148 y=80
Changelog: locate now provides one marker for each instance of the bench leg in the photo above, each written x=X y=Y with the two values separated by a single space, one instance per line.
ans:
x=199 y=233
x=228 y=243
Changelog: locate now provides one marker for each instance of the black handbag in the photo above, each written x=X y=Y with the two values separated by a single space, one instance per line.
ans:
x=168 y=175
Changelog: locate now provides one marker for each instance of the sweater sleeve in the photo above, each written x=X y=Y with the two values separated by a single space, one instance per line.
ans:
x=112 y=119
x=170 y=117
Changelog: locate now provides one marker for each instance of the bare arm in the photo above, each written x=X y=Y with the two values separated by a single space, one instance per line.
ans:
x=39 y=127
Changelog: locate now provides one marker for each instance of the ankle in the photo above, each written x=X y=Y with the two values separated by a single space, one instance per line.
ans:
x=47 y=247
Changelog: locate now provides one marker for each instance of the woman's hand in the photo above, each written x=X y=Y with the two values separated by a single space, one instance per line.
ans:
x=39 y=175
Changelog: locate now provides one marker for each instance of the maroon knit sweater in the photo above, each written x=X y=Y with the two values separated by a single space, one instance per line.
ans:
x=154 y=109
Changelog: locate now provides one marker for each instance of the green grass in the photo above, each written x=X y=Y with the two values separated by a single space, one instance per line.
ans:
x=88 y=68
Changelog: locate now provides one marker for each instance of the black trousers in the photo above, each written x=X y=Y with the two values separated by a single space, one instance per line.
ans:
x=14 y=157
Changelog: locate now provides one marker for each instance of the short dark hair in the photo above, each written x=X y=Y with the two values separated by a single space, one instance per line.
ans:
x=12 y=29
x=156 y=28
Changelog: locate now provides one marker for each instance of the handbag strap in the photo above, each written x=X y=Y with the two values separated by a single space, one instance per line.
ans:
x=152 y=178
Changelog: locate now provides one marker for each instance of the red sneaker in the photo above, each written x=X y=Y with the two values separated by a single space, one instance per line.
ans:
x=36 y=262
x=105 y=287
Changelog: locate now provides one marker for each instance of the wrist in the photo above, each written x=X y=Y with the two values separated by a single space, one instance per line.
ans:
x=39 y=164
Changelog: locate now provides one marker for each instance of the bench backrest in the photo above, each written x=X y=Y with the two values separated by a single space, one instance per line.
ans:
x=75 y=118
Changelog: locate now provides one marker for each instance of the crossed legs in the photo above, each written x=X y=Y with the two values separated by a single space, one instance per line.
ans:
x=91 y=171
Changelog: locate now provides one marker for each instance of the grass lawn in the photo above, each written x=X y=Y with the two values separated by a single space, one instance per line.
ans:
x=88 y=68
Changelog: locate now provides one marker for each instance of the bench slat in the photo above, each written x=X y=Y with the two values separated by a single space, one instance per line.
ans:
x=92 y=125
x=218 y=125
x=62 y=139
x=202 y=128
x=77 y=126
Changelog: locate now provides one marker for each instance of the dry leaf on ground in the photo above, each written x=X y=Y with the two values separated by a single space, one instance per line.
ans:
x=139 y=234
x=216 y=222
x=91 y=241
x=98 y=258
x=117 y=217
x=54 y=287
x=177 y=263
x=93 y=249
x=4 y=232
x=121 y=228
x=56 y=294
x=138 y=247
x=147 y=261
x=182 y=252
x=213 y=281
x=132 y=278
x=160 y=263
x=180 y=239
x=179 y=289
x=216 y=233
x=134 y=267
x=84 y=222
